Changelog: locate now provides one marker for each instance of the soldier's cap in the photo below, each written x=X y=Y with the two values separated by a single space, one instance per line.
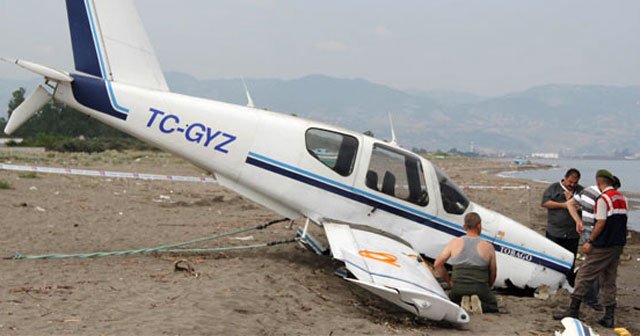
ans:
x=603 y=173
x=616 y=182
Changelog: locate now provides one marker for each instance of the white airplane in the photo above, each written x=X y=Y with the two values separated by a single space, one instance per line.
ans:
x=381 y=206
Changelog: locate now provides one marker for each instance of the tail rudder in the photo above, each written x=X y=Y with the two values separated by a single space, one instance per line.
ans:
x=109 y=42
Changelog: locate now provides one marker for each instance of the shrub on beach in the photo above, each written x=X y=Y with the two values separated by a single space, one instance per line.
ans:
x=28 y=175
x=94 y=145
x=4 y=185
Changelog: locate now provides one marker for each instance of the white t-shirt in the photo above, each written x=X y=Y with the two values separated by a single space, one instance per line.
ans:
x=601 y=207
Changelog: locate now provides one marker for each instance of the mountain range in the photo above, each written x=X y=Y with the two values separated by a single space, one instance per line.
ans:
x=570 y=119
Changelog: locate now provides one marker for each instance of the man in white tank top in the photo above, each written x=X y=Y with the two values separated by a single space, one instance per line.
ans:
x=474 y=267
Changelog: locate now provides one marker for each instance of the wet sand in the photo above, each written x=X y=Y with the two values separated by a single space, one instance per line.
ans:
x=279 y=290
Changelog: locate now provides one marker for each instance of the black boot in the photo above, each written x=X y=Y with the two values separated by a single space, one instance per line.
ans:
x=595 y=305
x=572 y=311
x=608 y=319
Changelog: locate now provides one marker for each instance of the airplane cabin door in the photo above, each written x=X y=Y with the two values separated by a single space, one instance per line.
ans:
x=394 y=181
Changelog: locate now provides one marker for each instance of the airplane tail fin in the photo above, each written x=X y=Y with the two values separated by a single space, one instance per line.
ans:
x=109 y=42
x=110 y=45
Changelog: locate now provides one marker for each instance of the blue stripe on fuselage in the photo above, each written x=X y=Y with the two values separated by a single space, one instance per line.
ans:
x=84 y=51
x=87 y=52
x=112 y=96
x=395 y=208
x=92 y=92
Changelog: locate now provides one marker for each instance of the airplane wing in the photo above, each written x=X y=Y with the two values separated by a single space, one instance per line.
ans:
x=392 y=270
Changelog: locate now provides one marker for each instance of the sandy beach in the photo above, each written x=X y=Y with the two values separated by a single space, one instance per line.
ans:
x=280 y=290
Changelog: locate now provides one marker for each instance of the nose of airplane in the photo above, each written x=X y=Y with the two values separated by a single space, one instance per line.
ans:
x=536 y=256
x=494 y=223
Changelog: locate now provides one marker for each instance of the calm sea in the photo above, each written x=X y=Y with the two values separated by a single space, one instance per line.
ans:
x=626 y=170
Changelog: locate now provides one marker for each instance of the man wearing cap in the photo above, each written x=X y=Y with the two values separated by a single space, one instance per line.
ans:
x=603 y=249
x=585 y=220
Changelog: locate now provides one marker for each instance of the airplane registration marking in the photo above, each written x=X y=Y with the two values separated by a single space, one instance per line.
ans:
x=380 y=256
x=194 y=133
x=515 y=253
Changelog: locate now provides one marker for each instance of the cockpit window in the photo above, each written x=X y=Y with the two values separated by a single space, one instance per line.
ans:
x=335 y=150
x=453 y=199
x=397 y=174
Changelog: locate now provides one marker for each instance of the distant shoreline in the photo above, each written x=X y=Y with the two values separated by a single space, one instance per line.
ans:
x=632 y=197
x=529 y=166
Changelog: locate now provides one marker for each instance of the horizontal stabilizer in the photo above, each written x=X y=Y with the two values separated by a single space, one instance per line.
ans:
x=42 y=70
x=38 y=99
x=392 y=270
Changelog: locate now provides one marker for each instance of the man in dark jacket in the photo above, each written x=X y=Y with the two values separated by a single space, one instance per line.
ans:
x=561 y=228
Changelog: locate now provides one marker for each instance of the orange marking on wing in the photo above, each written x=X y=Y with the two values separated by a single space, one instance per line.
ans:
x=380 y=256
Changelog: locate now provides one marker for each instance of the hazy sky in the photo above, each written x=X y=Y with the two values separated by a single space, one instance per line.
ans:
x=483 y=47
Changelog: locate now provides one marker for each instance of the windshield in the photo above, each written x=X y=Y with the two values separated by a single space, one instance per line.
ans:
x=453 y=199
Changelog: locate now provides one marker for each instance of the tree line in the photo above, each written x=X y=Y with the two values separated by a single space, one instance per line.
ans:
x=59 y=127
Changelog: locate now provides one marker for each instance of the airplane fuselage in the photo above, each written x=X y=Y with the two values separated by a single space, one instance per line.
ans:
x=302 y=168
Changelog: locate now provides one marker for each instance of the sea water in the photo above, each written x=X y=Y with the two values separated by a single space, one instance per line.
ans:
x=626 y=170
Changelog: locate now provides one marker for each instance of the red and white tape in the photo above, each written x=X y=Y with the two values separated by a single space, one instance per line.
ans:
x=103 y=173
x=505 y=187
x=115 y=174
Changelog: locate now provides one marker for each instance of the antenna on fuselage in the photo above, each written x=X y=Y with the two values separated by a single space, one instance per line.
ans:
x=394 y=140
x=246 y=91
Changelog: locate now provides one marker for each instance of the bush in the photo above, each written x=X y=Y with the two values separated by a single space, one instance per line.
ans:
x=78 y=145
x=4 y=185
x=93 y=145
x=42 y=140
x=28 y=175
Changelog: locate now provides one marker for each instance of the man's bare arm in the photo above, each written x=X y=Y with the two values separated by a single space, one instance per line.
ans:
x=441 y=260
x=573 y=211
x=597 y=229
x=493 y=268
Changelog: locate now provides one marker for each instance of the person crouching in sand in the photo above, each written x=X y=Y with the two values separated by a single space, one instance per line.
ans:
x=474 y=268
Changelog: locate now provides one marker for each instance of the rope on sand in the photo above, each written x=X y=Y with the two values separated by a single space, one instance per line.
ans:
x=170 y=248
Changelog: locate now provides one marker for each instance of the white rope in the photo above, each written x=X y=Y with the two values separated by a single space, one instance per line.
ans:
x=103 y=173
